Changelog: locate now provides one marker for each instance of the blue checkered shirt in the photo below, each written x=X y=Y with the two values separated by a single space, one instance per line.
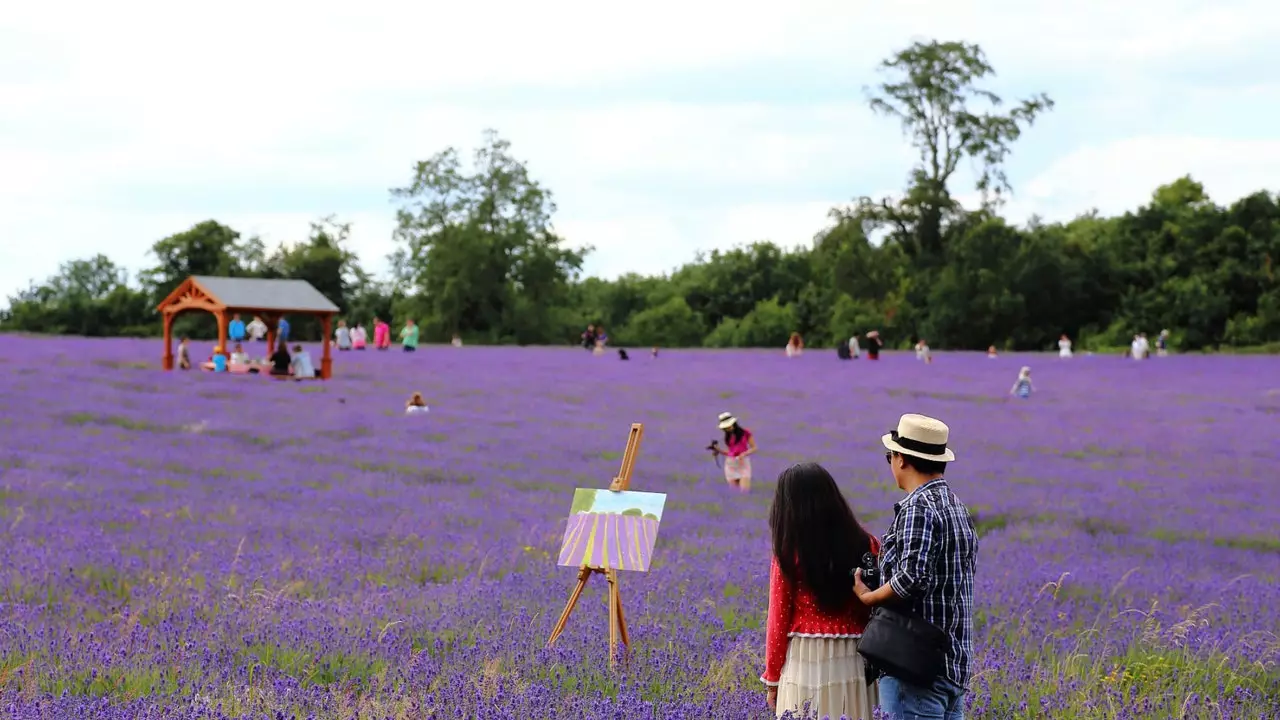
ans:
x=929 y=556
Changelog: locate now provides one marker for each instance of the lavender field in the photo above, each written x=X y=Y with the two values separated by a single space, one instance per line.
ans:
x=184 y=545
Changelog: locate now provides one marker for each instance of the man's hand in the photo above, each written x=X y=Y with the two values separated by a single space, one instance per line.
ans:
x=771 y=697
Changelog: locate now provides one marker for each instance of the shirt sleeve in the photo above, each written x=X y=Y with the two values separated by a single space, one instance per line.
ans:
x=913 y=572
x=781 y=609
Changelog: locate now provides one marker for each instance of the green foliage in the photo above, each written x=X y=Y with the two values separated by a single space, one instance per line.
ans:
x=478 y=257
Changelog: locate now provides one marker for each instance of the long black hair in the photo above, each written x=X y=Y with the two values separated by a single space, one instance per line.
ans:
x=733 y=433
x=816 y=537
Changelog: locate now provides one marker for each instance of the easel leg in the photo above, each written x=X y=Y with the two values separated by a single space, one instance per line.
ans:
x=613 y=618
x=622 y=621
x=583 y=574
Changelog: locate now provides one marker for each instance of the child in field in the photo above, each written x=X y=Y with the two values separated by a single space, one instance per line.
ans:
x=815 y=621
x=415 y=404
x=219 y=360
x=739 y=445
x=1022 y=386
x=239 y=356
x=184 y=354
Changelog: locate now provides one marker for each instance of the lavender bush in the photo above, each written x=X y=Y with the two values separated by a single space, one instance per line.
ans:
x=184 y=545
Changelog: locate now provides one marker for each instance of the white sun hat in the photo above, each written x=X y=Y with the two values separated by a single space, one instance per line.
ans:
x=920 y=436
x=727 y=420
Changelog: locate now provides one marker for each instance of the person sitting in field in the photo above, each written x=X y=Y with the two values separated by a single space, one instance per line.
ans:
x=622 y=354
x=457 y=340
x=184 y=354
x=342 y=336
x=239 y=356
x=991 y=352
x=655 y=351
x=219 y=360
x=795 y=345
x=359 y=338
x=280 y=360
x=301 y=364
x=1022 y=386
x=415 y=405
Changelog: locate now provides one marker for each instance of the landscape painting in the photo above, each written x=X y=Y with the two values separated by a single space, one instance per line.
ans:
x=611 y=530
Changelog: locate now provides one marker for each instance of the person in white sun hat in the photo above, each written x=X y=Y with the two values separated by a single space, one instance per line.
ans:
x=739 y=445
x=927 y=561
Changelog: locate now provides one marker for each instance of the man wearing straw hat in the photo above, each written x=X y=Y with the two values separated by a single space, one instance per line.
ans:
x=928 y=560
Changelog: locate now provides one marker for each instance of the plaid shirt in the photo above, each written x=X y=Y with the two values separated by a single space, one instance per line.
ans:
x=930 y=555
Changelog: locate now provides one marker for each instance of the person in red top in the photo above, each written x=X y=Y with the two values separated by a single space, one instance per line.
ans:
x=815 y=620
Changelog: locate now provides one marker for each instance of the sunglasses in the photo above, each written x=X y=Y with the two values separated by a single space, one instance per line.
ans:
x=888 y=456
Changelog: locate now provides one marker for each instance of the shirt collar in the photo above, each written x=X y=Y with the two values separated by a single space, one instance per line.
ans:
x=911 y=495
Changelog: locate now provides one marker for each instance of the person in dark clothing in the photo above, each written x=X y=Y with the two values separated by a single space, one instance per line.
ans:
x=622 y=354
x=281 y=360
x=873 y=345
x=589 y=338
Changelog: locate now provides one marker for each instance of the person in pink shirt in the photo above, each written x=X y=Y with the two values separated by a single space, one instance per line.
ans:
x=381 y=334
x=739 y=445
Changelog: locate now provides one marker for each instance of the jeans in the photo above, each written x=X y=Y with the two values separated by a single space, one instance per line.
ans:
x=944 y=700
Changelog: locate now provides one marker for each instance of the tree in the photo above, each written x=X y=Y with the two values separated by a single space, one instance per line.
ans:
x=207 y=248
x=477 y=244
x=930 y=91
x=90 y=297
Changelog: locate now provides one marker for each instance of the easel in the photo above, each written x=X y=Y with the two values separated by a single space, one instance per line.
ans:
x=617 y=624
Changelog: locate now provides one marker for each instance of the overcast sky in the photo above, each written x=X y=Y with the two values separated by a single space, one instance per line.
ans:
x=663 y=128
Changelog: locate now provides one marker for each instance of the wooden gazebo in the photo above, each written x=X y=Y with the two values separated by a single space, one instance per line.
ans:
x=268 y=299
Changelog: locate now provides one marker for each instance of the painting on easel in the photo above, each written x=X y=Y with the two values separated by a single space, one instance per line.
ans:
x=610 y=530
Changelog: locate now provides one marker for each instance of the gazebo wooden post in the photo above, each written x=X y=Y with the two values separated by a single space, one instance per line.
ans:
x=221 y=315
x=167 y=361
x=326 y=362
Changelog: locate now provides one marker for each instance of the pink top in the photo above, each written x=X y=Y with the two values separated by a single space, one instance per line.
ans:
x=738 y=447
x=381 y=334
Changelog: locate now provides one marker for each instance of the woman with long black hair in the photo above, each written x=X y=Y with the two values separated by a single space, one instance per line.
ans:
x=815 y=620
x=739 y=445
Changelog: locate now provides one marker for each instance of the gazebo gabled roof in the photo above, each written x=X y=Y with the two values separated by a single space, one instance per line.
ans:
x=204 y=292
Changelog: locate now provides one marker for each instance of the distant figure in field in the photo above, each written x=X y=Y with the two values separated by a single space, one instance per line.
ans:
x=457 y=340
x=301 y=365
x=814 y=620
x=281 y=361
x=1022 y=386
x=184 y=354
x=795 y=345
x=589 y=338
x=1135 y=348
x=855 y=350
x=622 y=354
x=282 y=329
x=415 y=405
x=219 y=360
x=381 y=334
x=739 y=445
x=358 y=337
x=991 y=352
x=257 y=329
x=235 y=329
x=873 y=345
x=239 y=356
x=1064 y=346
x=922 y=351
x=409 y=336
x=342 y=336
x=655 y=351
x=601 y=340
x=1162 y=344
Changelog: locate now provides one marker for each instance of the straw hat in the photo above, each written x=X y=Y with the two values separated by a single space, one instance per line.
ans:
x=727 y=420
x=920 y=436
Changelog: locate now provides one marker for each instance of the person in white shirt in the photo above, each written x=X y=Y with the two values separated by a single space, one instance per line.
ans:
x=457 y=340
x=301 y=364
x=1064 y=346
x=256 y=329
x=854 y=348
x=359 y=337
x=1135 y=348
x=1146 y=346
x=415 y=405
x=922 y=351
x=342 y=336
x=239 y=356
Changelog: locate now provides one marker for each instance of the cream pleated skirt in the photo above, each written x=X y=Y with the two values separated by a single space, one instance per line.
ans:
x=828 y=674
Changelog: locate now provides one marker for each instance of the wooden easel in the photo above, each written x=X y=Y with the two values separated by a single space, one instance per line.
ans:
x=617 y=623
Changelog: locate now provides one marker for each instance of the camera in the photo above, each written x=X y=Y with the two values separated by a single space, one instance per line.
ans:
x=870 y=571
x=714 y=446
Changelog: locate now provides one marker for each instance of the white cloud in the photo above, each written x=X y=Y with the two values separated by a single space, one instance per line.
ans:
x=106 y=112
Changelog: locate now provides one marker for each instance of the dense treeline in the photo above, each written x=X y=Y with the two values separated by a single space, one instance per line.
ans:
x=478 y=256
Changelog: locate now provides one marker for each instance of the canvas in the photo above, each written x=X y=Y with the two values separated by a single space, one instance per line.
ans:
x=612 y=530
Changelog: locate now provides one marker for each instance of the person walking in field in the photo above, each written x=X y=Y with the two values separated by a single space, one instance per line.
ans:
x=1022 y=386
x=815 y=621
x=1064 y=346
x=739 y=445
x=928 y=563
